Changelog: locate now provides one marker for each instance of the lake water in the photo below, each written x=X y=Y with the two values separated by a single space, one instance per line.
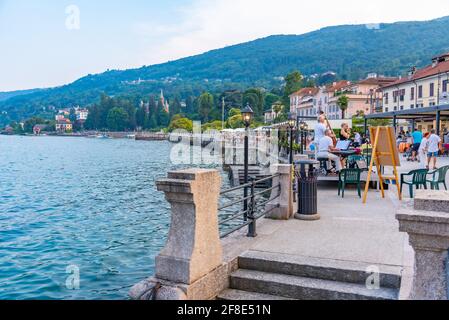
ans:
x=69 y=204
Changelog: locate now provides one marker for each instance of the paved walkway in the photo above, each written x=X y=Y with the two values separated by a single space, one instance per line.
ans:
x=348 y=231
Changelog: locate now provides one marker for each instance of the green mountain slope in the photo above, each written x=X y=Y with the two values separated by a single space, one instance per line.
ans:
x=351 y=51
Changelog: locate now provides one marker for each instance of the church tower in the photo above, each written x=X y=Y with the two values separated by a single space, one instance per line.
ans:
x=164 y=102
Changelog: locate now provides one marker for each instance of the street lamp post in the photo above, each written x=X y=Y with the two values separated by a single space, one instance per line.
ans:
x=303 y=127
x=291 y=124
x=247 y=115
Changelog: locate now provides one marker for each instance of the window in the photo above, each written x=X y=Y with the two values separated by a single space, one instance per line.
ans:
x=386 y=109
x=386 y=98
x=402 y=107
x=420 y=92
x=432 y=89
x=402 y=94
x=395 y=96
x=412 y=106
x=445 y=85
x=395 y=108
x=412 y=94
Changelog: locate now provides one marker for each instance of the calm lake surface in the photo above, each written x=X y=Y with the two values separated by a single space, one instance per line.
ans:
x=79 y=203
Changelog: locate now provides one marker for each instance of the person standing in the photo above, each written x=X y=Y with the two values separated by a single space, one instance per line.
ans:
x=446 y=137
x=433 y=149
x=417 y=137
x=422 y=151
x=320 y=132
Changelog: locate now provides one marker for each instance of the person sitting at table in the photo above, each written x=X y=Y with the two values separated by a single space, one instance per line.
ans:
x=326 y=147
x=345 y=133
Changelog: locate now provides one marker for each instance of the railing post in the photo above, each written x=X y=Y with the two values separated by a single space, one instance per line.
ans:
x=193 y=249
x=251 y=210
x=281 y=208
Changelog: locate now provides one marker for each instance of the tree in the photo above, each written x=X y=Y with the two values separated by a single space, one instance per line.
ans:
x=205 y=105
x=235 y=122
x=270 y=100
x=215 y=125
x=293 y=83
x=235 y=112
x=117 y=119
x=256 y=99
x=181 y=123
x=175 y=107
x=343 y=103
x=30 y=123
x=141 y=117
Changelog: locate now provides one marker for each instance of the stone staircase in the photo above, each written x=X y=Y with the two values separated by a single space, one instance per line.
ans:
x=272 y=276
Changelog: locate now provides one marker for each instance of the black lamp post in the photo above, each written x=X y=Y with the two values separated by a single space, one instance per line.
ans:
x=303 y=127
x=247 y=115
x=292 y=125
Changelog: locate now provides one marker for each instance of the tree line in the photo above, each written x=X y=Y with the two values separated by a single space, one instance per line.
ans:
x=137 y=112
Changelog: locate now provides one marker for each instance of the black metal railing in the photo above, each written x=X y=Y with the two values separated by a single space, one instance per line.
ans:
x=232 y=219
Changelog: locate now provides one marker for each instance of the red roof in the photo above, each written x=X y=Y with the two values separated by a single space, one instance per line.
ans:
x=428 y=71
x=379 y=81
x=306 y=91
x=337 y=86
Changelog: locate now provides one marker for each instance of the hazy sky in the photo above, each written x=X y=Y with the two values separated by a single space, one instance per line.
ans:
x=47 y=43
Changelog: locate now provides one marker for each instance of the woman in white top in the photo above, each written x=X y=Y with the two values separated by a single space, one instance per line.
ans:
x=422 y=151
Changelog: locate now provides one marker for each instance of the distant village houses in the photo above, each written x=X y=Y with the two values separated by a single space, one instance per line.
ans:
x=364 y=96
x=66 y=119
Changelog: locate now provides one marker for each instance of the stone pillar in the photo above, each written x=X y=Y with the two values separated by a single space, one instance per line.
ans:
x=427 y=224
x=193 y=249
x=282 y=207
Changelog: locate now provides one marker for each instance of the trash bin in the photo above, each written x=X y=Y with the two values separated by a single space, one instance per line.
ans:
x=307 y=189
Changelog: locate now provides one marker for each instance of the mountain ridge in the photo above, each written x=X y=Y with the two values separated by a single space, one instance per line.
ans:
x=352 y=51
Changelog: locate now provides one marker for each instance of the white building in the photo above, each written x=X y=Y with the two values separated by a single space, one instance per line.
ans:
x=422 y=88
x=81 y=114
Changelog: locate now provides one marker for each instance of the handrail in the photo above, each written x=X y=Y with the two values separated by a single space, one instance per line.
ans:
x=253 y=208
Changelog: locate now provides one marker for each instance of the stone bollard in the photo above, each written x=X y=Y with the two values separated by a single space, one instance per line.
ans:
x=427 y=224
x=282 y=207
x=193 y=249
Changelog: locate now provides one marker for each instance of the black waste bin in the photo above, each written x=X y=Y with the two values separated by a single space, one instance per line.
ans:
x=307 y=182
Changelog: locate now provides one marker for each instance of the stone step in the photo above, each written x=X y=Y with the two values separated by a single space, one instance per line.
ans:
x=325 y=269
x=238 y=295
x=301 y=288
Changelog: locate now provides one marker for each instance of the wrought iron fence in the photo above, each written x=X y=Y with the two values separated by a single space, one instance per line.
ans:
x=232 y=219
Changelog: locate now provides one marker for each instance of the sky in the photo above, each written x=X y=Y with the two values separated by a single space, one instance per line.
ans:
x=46 y=43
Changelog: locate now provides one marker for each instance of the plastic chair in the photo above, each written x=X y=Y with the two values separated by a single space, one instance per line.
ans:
x=418 y=180
x=438 y=178
x=352 y=162
x=348 y=177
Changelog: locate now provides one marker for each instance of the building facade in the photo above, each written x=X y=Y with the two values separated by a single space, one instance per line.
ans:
x=304 y=102
x=422 y=88
x=64 y=126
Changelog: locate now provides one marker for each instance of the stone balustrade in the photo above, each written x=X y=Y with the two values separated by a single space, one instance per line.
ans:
x=191 y=265
x=427 y=224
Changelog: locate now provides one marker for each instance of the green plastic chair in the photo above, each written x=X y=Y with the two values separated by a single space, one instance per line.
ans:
x=348 y=177
x=438 y=178
x=418 y=180
x=352 y=161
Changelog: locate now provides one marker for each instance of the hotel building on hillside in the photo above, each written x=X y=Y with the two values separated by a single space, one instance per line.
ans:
x=422 y=88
